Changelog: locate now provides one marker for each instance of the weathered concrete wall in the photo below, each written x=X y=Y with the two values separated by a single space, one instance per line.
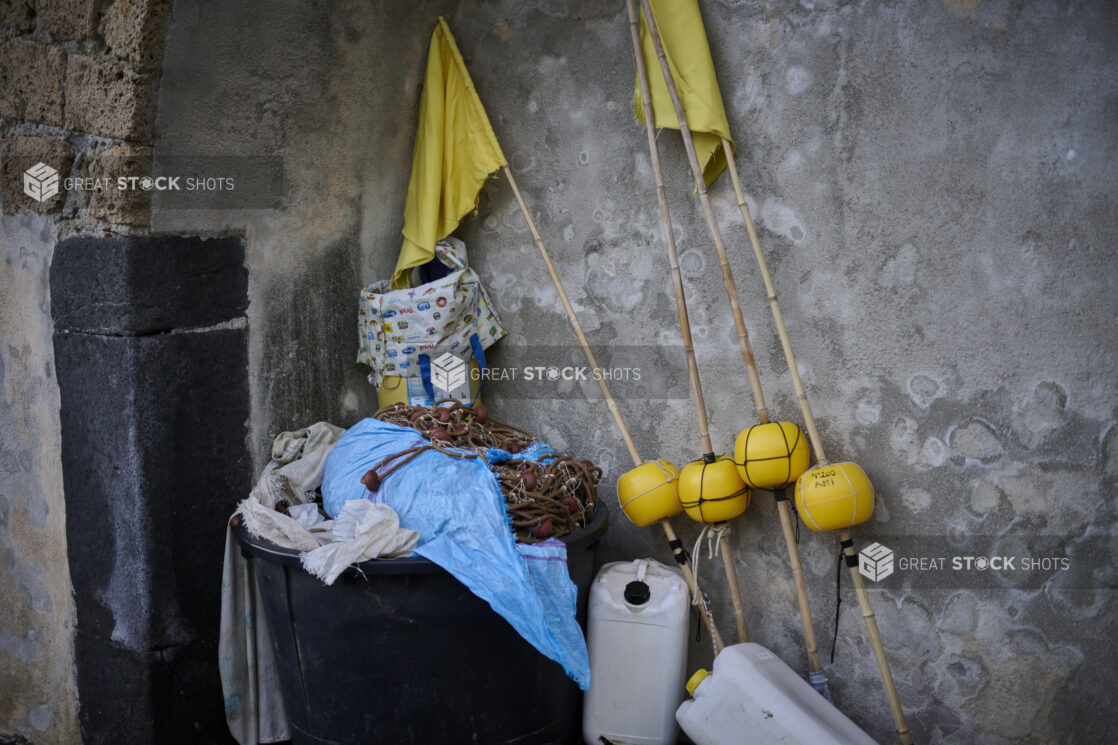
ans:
x=931 y=183
x=333 y=89
x=37 y=614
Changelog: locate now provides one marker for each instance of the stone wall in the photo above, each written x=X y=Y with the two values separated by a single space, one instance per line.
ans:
x=77 y=92
x=37 y=615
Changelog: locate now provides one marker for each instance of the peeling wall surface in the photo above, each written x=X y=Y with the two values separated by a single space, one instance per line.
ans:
x=333 y=89
x=37 y=688
x=934 y=187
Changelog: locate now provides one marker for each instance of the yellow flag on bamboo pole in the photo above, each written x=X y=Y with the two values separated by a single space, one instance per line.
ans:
x=688 y=53
x=455 y=151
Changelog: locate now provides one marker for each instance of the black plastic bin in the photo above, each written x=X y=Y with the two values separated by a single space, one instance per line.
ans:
x=407 y=655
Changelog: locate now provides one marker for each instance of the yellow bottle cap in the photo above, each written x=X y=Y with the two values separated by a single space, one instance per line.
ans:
x=699 y=676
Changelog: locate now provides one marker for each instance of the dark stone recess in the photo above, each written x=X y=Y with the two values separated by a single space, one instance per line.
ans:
x=136 y=285
x=153 y=461
x=309 y=345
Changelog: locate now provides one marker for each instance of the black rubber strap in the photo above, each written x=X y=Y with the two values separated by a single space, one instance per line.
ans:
x=852 y=558
x=783 y=494
x=679 y=552
x=838 y=605
x=780 y=495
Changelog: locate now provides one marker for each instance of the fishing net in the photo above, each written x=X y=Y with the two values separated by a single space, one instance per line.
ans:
x=547 y=495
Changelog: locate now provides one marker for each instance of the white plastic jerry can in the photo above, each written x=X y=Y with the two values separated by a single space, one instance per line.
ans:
x=637 y=639
x=753 y=697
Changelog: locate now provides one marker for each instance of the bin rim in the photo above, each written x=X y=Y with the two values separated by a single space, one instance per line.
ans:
x=262 y=548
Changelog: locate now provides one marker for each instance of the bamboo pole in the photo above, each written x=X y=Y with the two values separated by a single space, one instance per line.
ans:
x=669 y=238
x=774 y=306
x=899 y=720
x=708 y=213
x=785 y=512
x=681 y=309
x=735 y=591
x=611 y=403
x=788 y=529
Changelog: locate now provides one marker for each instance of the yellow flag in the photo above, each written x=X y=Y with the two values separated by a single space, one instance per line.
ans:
x=685 y=46
x=455 y=151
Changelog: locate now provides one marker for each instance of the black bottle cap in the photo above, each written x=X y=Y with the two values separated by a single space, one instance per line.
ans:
x=637 y=593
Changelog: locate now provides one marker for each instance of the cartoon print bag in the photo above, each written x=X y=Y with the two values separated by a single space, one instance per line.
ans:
x=401 y=332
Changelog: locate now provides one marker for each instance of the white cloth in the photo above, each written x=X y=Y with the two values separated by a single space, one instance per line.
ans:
x=253 y=705
x=249 y=681
x=265 y=522
x=297 y=461
x=363 y=530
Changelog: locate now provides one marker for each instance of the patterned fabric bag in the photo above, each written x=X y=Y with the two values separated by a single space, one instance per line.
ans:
x=403 y=333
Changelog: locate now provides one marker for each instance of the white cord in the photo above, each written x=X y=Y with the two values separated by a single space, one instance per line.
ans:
x=714 y=534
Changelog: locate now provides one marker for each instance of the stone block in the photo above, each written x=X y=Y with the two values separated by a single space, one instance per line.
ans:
x=31 y=80
x=134 y=31
x=153 y=460
x=166 y=691
x=108 y=98
x=22 y=153
x=133 y=285
x=127 y=206
x=20 y=15
x=69 y=20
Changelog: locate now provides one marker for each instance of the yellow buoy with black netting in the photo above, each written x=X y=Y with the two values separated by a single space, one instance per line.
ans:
x=771 y=455
x=649 y=493
x=712 y=492
x=834 y=497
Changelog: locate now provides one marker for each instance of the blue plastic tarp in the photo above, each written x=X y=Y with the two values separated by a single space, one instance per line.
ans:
x=457 y=507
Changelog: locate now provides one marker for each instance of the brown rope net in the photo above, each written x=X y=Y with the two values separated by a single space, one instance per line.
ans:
x=544 y=500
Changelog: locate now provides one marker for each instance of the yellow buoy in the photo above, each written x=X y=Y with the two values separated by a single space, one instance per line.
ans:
x=712 y=492
x=834 y=497
x=771 y=455
x=649 y=493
